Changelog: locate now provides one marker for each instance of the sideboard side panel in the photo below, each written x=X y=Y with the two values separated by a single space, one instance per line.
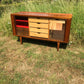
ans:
x=13 y=24
x=67 y=30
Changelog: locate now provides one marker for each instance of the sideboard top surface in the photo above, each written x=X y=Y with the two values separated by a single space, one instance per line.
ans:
x=46 y=15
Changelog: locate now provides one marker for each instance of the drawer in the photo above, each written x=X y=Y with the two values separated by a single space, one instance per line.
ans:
x=38 y=20
x=36 y=34
x=39 y=30
x=41 y=25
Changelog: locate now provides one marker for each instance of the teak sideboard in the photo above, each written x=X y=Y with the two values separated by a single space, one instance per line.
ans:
x=43 y=26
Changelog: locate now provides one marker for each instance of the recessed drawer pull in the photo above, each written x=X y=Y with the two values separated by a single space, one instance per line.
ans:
x=38 y=28
x=38 y=32
x=38 y=18
x=38 y=22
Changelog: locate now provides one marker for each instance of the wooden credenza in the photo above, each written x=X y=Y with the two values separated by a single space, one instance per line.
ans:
x=43 y=26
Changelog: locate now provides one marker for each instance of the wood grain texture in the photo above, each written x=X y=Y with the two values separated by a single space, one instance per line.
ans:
x=44 y=15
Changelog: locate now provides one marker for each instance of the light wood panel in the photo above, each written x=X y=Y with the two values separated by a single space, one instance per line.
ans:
x=35 y=34
x=39 y=30
x=38 y=20
x=57 y=21
x=56 y=24
x=38 y=25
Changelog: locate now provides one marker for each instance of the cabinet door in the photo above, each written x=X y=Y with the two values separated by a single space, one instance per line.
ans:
x=57 y=29
x=22 y=31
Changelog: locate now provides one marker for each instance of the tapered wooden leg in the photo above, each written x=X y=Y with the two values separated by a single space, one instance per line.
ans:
x=21 y=40
x=58 y=45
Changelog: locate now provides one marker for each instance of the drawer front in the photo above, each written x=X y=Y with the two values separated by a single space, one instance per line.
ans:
x=36 y=34
x=38 y=20
x=39 y=30
x=38 y=25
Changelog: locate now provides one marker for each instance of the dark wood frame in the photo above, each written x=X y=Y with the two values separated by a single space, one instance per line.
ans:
x=66 y=17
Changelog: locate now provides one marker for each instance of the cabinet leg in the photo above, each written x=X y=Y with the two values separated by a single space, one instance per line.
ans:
x=21 y=40
x=58 y=45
